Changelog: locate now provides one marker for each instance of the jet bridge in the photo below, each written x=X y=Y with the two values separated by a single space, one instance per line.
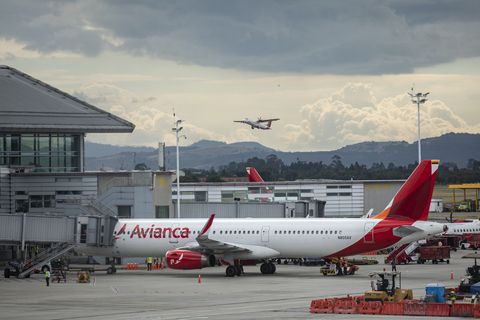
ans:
x=60 y=233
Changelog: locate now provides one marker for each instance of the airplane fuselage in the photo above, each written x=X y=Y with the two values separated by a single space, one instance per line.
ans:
x=316 y=237
x=460 y=228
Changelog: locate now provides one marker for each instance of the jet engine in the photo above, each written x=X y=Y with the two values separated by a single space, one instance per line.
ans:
x=186 y=259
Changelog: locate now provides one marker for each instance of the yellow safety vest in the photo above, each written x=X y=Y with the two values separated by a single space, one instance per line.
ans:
x=47 y=274
x=149 y=260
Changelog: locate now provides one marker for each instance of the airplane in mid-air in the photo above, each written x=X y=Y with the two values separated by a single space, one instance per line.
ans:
x=194 y=244
x=264 y=124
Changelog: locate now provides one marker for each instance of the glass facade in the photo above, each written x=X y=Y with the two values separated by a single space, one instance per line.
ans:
x=56 y=152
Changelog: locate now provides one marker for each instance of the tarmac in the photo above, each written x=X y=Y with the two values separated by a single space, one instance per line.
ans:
x=176 y=294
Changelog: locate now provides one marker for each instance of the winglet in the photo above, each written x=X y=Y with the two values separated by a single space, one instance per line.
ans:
x=207 y=225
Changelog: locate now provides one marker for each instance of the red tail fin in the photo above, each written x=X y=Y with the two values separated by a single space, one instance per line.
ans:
x=253 y=175
x=412 y=201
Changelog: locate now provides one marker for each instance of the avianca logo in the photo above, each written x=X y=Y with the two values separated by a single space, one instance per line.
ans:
x=120 y=232
x=153 y=232
x=173 y=261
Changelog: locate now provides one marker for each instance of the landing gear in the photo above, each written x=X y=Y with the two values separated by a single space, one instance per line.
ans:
x=268 y=268
x=235 y=270
x=231 y=271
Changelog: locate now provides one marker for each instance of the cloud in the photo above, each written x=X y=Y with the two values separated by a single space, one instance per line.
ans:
x=343 y=37
x=10 y=49
x=349 y=115
x=353 y=114
x=152 y=117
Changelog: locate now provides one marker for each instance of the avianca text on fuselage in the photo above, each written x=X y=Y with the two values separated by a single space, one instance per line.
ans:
x=154 y=232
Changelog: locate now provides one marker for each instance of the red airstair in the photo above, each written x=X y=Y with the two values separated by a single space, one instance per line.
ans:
x=402 y=253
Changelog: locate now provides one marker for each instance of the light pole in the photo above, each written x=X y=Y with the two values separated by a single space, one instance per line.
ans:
x=177 y=129
x=419 y=98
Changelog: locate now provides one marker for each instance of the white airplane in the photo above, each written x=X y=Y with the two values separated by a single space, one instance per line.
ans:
x=264 y=124
x=460 y=228
x=194 y=244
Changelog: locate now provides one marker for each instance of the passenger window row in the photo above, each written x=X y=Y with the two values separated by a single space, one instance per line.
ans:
x=307 y=232
x=238 y=231
x=467 y=230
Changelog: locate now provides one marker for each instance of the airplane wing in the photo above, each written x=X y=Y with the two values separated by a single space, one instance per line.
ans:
x=205 y=244
x=268 y=120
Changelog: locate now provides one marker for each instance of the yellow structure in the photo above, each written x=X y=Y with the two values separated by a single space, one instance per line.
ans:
x=465 y=187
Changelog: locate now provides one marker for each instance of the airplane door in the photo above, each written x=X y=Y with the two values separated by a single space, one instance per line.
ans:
x=172 y=239
x=368 y=236
x=265 y=233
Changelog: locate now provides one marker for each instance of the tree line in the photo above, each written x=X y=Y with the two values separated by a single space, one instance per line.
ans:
x=273 y=169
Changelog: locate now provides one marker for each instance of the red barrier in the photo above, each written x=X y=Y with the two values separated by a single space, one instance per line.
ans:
x=414 y=308
x=345 y=306
x=322 y=306
x=476 y=311
x=392 y=308
x=437 y=309
x=370 y=307
x=314 y=305
x=461 y=310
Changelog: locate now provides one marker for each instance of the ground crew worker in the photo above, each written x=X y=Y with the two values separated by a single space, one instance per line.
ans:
x=453 y=296
x=344 y=266
x=47 y=277
x=394 y=265
x=149 y=263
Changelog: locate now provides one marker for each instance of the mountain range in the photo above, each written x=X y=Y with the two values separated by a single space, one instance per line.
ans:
x=205 y=154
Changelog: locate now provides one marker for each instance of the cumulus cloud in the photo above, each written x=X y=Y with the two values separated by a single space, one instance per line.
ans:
x=342 y=37
x=353 y=114
x=349 y=115
x=152 y=117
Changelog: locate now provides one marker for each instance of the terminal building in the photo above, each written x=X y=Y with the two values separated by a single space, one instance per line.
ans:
x=45 y=194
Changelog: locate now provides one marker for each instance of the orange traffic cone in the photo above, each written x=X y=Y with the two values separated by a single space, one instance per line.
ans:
x=451 y=276
x=199 y=279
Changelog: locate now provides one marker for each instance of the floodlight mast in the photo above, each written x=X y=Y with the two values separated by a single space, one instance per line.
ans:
x=419 y=98
x=177 y=129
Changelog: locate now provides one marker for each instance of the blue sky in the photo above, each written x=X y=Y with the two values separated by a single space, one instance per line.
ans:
x=335 y=72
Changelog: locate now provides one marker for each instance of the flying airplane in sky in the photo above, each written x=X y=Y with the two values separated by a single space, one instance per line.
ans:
x=264 y=124
x=194 y=244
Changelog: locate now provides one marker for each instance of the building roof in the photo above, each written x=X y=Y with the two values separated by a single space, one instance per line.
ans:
x=30 y=105
x=464 y=186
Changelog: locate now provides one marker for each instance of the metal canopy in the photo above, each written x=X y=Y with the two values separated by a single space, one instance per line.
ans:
x=29 y=105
